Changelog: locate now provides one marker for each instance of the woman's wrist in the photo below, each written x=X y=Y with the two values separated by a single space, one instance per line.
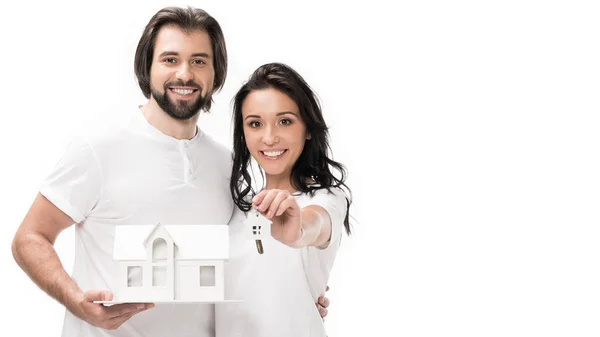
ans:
x=309 y=229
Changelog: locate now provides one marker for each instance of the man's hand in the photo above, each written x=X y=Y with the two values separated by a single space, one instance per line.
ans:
x=107 y=317
x=281 y=208
x=322 y=304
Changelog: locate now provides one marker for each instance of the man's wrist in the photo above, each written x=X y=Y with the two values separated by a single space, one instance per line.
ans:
x=74 y=303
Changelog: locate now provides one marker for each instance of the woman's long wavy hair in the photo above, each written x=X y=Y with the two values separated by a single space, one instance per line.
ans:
x=314 y=163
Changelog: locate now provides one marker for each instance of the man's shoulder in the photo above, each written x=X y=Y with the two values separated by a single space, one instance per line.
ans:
x=105 y=128
x=219 y=151
x=217 y=146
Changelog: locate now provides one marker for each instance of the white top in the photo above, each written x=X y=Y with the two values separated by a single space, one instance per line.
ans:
x=129 y=173
x=280 y=287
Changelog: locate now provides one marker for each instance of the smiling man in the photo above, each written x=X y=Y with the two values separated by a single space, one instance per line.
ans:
x=182 y=72
x=152 y=164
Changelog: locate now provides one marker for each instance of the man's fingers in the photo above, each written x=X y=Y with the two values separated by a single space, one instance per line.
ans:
x=115 y=323
x=97 y=295
x=124 y=313
x=109 y=317
x=327 y=288
x=124 y=309
x=324 y=302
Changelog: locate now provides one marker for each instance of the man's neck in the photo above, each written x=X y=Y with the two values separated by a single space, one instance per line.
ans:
x=178 y=129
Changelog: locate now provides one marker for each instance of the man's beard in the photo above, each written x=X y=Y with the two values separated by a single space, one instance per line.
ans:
x=182 y=110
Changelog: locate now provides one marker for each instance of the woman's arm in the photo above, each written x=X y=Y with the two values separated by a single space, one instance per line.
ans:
x=316 y=227
x=291 y=225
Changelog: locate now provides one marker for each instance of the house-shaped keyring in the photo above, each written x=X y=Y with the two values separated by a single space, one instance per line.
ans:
x=256 y=227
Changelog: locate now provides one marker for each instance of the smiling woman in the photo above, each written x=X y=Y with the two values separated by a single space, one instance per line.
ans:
x=275 y=133
x=278 y=122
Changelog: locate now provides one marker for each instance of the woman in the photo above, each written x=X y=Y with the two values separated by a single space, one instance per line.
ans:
x=278 y=122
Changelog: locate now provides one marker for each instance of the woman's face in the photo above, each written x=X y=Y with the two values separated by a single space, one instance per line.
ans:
x=274 y=131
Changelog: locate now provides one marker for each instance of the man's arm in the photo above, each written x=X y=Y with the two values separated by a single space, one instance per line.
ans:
x=33 y=250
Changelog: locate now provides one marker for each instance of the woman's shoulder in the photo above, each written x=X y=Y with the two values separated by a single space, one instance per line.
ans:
x=334 y=196
x=318 y=190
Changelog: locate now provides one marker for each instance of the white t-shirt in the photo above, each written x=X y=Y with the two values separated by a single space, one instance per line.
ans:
x=279 y=288
x=129 y=173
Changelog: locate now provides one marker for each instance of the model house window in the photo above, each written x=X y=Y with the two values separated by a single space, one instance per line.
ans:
x=159 y=262
x=256 y=230
x=159 y=276
x=207 y=276
x=134 y=276
x=159 y=250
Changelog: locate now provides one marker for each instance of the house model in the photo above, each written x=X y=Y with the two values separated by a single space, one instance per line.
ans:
x=171 y=263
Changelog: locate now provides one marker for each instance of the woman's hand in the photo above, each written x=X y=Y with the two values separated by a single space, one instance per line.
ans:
x=281 y=208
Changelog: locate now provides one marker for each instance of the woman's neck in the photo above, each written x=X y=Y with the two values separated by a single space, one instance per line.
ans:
x=279 y=182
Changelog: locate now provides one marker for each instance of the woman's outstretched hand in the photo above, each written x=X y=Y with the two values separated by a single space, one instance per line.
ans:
x=281 y=208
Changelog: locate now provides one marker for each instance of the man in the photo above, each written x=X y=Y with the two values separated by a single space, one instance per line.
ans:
x=152 y=164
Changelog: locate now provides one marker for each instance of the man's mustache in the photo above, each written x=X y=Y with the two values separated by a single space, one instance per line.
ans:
x=189 y=84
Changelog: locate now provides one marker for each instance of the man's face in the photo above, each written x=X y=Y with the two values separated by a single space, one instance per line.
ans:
x=182 y=71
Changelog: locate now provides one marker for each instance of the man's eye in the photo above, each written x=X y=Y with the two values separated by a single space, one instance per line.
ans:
x=198 y=62
x=170 y=60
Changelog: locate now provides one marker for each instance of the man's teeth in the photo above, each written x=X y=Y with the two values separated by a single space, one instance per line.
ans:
x=183 y=91
x=273 y=153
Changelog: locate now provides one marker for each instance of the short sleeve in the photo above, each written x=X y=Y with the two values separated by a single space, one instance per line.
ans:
x=318 y=262
x=335 y=203
x=75 y=184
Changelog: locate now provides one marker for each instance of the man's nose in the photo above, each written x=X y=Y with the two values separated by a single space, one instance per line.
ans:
x=184 y=73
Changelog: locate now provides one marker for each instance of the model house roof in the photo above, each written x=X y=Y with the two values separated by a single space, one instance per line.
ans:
x=192 y=242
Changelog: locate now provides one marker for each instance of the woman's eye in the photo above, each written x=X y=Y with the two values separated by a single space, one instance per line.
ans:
x=285 y=121
x=254 y=124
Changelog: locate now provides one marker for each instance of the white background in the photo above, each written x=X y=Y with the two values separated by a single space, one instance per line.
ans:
x=471 y=130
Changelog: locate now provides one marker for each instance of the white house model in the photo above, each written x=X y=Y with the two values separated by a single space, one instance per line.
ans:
x=171 y=263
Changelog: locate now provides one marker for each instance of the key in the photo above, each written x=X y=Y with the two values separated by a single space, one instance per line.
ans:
x=259 y=246
x=258 y=223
